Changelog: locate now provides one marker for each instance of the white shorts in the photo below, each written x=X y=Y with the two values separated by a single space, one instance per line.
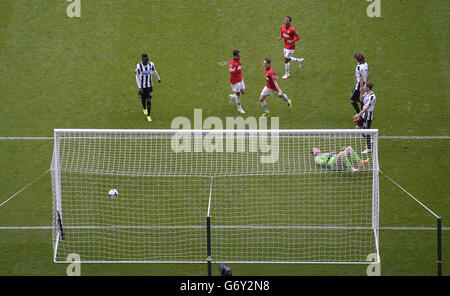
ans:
x=267 y=92
x=288 y=53
x=237 y=87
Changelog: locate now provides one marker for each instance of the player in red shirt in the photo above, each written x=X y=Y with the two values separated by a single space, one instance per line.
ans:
x=271 y=87
x=290 y=35
x=236 y=80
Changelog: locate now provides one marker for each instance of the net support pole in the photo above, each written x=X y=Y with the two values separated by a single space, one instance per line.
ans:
x=439 y=246
x=208 y=231
x=208 y=244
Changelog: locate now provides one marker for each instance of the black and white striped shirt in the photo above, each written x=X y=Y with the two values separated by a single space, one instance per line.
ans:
x=144 y=74
x=369 y=99
x=361 y=70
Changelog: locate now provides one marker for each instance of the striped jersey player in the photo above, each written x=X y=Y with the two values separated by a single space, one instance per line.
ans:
x=290 y=35
x=236 y=80
x=144 y=71
x=361 y=77
x=365 y=117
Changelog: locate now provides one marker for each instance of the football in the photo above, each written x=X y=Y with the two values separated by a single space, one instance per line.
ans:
x=113 y=193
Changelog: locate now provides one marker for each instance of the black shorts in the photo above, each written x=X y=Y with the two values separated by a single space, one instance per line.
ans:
x=355 y=95
x=365 y=124
x=147 y=93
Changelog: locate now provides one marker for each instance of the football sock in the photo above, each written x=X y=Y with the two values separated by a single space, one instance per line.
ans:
x=285 y=98
x=144 y=103
x=368 y=142
x=149 y=106
x=238 y=100
x=295 y=60
x=264 y=105
x=355 y=105
x=287 y=66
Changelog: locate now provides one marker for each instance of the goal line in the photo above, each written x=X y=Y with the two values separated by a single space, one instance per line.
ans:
x=413 y=228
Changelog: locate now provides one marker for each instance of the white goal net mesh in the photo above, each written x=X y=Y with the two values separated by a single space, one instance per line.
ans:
x=268 y=199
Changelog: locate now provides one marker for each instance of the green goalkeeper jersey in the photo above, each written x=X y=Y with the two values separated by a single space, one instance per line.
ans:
x=323 y=158
x=328 y=159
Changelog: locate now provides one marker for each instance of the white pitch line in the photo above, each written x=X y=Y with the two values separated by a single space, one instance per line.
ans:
x=416 y=137
x=381 y=137
x=24 y=227
x=413 y=228
x=187 y=226
x=26 y=138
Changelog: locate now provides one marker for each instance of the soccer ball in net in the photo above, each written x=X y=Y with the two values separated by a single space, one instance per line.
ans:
x=113 y=193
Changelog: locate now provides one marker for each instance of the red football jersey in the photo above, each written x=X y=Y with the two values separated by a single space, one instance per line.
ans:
x=236 y=76
x=271 y=76
x=289 y=34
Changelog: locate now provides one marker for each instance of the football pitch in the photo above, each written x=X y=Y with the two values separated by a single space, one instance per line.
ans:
x=63 y=72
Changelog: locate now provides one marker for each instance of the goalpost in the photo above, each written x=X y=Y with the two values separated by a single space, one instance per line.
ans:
x=263 y=196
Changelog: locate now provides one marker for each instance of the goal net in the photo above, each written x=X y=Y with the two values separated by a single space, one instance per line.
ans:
x=268 y=198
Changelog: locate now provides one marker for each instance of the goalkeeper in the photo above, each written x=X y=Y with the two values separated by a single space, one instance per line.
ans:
x=338 y=161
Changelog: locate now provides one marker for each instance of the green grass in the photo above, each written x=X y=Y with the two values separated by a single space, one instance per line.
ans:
x=58 y=72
